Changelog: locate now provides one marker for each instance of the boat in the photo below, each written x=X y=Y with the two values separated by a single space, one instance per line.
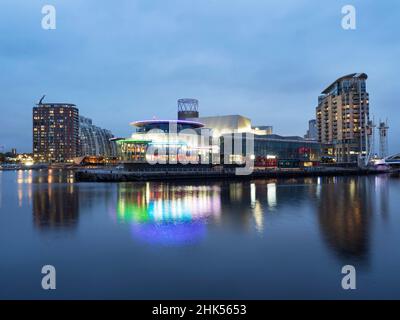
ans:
x=380 y=165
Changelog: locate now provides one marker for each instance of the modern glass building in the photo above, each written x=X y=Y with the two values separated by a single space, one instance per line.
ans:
x=272 y=150
x=215 y=140
x=312 y=132
x=165 y=141
x=95 y=141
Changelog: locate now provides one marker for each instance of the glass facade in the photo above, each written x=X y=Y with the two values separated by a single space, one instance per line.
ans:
x=132 y=151
x=287 y=149
x=166 y=144
x=272 y=150
x=145 y=146
x=95 y=141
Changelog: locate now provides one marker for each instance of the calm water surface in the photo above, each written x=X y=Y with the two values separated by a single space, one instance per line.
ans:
x=207 y=239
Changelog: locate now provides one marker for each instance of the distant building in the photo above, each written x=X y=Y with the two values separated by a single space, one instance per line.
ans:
x=383 y=139
x=55 y=132
x=95 y=141
x=262 y=130
x=343 y=116
x=312 y=132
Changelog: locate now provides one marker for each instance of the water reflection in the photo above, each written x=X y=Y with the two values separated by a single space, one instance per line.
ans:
x=1 y=188
x=24 y=183
x=264 y=233
x=382 y=195
x=58 y=200
x=257 y=208
x=168 y=214
x=271 y=195
x=55 y=207
x=344 y=208
x=55 y=199
x=247 y=205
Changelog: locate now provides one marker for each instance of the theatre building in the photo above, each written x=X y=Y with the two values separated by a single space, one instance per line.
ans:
x=166 y=142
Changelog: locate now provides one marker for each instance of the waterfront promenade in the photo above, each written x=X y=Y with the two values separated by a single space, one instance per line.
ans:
x=154 y=174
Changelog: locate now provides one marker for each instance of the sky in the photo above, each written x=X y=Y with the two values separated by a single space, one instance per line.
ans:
x=121 y=61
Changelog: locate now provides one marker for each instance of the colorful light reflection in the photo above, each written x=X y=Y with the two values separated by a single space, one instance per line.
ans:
x=166 y=214
x=170 y=234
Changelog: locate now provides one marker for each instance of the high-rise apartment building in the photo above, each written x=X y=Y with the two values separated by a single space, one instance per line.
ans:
x=312 y=132
x=95 y=141
x=55 y=132
x=342 y=117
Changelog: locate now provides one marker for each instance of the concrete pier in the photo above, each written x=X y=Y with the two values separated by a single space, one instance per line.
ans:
x=110 y=175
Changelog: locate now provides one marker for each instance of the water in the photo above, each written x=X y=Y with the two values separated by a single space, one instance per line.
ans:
x=267 y=239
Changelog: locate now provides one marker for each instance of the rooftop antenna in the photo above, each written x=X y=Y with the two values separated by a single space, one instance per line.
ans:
x=41 y=99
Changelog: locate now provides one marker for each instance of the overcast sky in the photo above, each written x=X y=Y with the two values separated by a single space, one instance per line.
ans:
x=121 y=61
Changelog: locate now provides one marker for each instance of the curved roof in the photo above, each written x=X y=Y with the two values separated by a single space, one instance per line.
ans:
x=143 y=123
x=56 y=104
x=349 y=76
